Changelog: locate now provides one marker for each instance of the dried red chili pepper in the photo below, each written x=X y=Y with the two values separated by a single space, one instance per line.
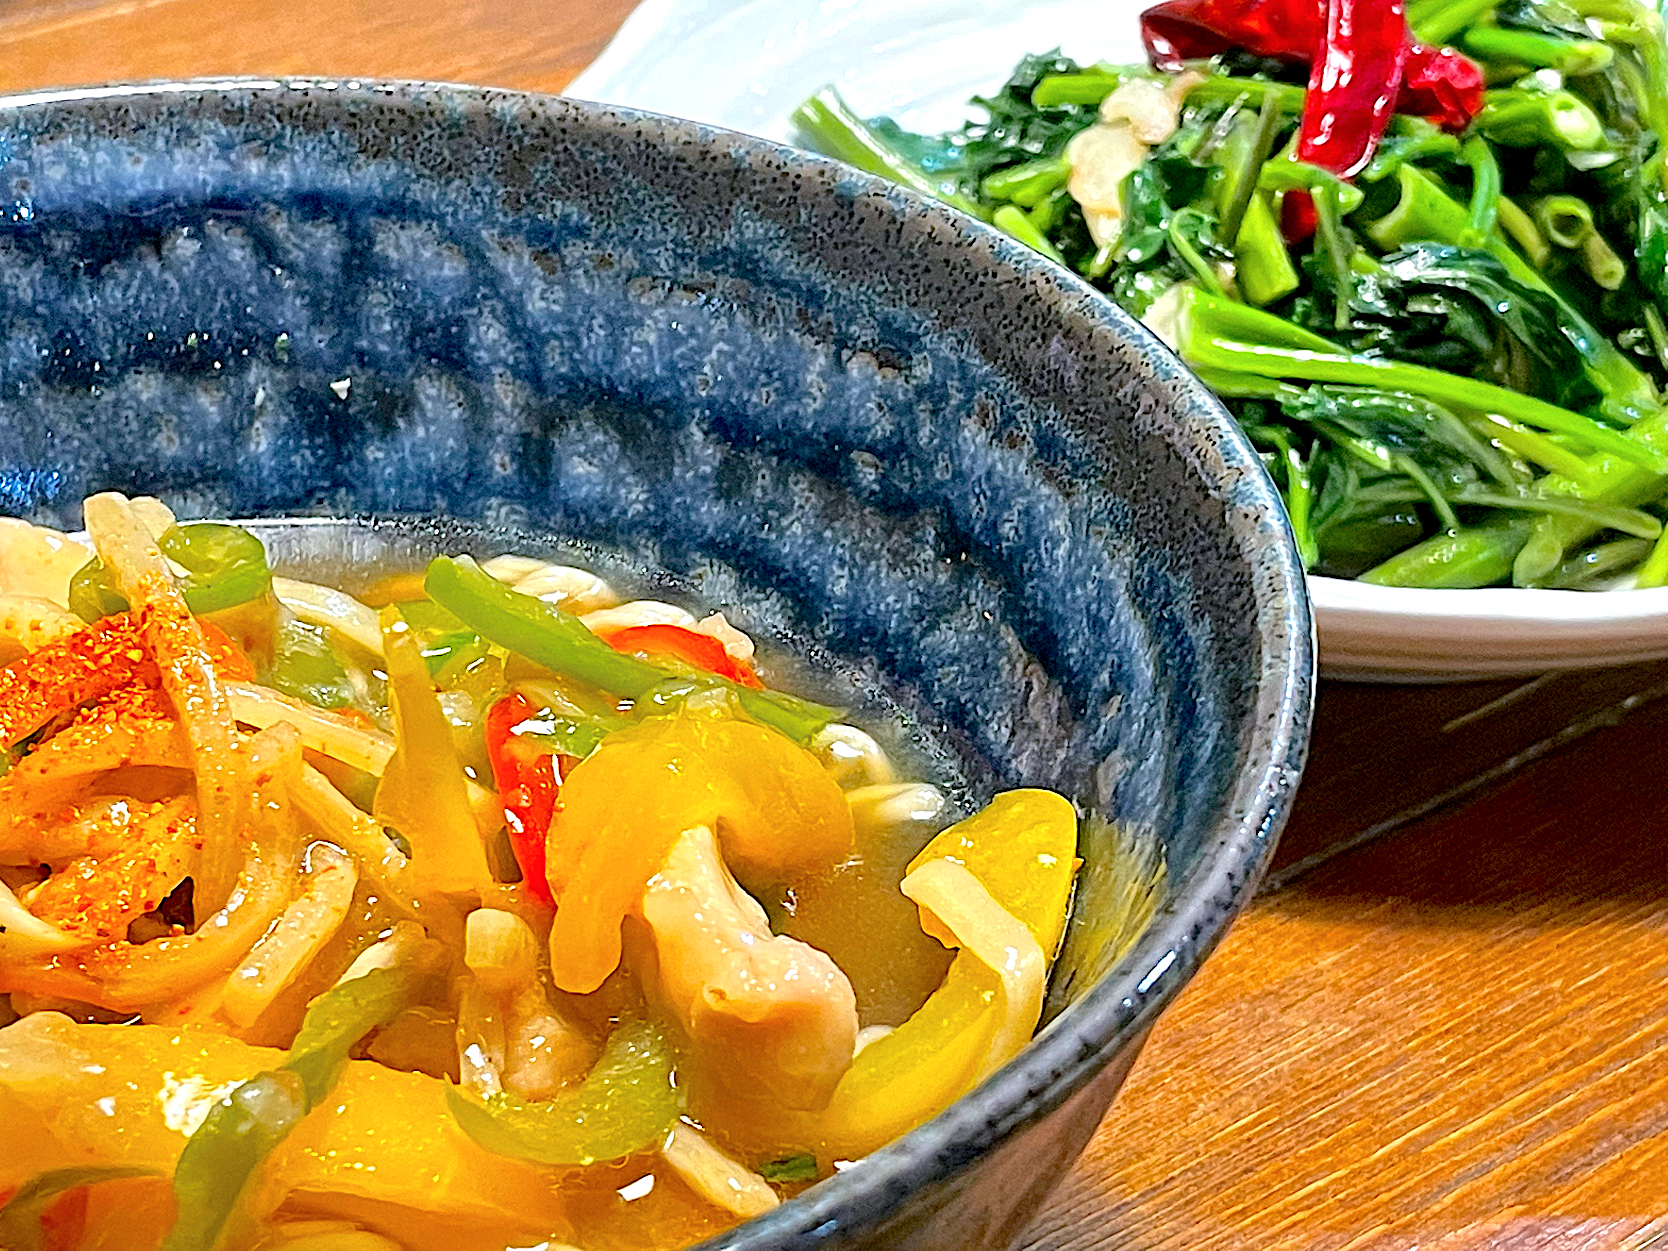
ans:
x=527 y=784
x=1364 y=65
x=1191 y=30
x=1353 y=84
x=1441 y=85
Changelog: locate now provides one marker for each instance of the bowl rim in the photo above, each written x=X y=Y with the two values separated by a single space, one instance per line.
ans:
x=1115 y=1012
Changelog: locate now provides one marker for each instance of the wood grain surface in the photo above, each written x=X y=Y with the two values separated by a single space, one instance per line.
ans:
x=1446 y=1029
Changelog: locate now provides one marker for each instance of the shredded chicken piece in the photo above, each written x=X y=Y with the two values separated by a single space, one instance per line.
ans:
x=639 y=612
x=774 y=1015
x=531 y=1047
x=737 y=644
x=575 y=590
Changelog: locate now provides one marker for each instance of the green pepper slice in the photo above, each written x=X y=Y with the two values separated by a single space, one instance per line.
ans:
x=627 y=1102
x=442 y=638
x=308 y=667
x=559 y=641
x=242 y=1129
x=224 y=566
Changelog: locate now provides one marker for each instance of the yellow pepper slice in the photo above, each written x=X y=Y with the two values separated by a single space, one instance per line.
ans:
x=776 y=811
x=423 y=792
x=1022 y=849
x=80 y=1096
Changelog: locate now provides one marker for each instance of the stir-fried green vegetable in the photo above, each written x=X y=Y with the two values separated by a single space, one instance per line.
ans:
x=1455 y=380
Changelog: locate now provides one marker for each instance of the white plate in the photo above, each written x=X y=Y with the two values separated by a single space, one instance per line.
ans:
x=745 y=64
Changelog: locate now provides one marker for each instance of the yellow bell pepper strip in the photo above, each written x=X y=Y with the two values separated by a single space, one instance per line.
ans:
x=774 y=807
x=1022 y=849
x=224 y=566
x=424 y=792
x=958 y=910
x=559 y=641
x=75 y=1095
x=20 y=1216
x=242 y=1129
x=627 y=1102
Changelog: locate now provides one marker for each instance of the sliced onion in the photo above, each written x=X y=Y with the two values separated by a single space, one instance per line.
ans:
x=189 y=678
x=330 y=609
x=357 y=832
x=952 y=899
x=23 y=936
x=130 y=978
x=361 y=746
x=715 y=1176
x=285 y=951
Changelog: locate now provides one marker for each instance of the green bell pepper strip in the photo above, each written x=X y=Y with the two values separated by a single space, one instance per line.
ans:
x=306 y=666
x=790 y=1168
x=20 y=1216
x=246 y=1126
x=627 y=1102
x=440 y=635
x=225 y=566
x=559 y=641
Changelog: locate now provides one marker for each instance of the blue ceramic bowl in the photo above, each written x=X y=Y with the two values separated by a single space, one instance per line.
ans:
x=965 y=487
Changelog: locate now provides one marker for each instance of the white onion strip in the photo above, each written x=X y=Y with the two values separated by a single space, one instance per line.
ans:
x=188 y=676
x=958 y=902
x=331 y=609
x=362 y=747
x=294 y=941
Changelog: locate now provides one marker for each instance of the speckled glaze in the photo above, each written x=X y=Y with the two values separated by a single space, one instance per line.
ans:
x=962 y=485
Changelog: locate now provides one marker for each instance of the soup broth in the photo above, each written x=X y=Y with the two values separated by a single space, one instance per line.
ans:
x=351 y=898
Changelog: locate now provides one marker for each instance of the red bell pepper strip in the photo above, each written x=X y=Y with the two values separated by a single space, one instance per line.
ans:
x=703 y=651
x=527 y=785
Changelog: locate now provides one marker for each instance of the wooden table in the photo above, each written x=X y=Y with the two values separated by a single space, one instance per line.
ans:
x=1447 y=1031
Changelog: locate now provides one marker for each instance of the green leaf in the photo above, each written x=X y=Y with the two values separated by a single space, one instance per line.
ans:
x=790 y=1168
